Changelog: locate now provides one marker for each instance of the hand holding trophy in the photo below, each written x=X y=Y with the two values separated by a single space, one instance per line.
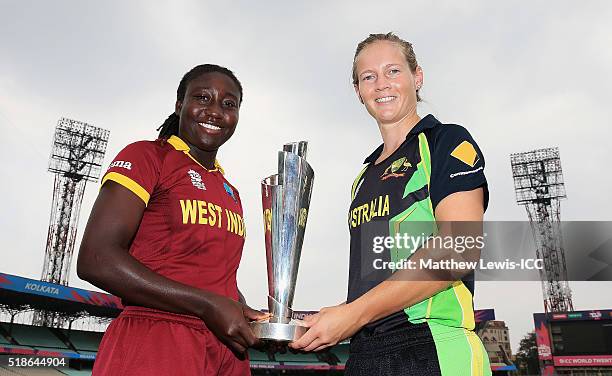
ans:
x=286 y=199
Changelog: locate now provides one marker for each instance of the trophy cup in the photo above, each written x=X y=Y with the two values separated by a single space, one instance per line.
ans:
x=285 y=198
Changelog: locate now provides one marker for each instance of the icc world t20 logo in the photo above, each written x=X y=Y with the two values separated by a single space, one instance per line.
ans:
x=196 y=180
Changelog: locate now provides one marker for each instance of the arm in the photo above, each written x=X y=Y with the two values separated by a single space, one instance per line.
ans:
x=403 y=289
x=105 y=262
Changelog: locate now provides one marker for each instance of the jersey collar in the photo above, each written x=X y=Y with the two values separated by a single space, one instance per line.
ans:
x=181 y=145
x=427 y=122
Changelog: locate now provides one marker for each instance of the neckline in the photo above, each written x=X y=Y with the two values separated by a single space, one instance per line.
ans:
x=428 y=121
x=373 y=163
x=180 y=145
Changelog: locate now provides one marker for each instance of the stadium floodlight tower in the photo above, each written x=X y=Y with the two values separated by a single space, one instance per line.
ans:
x=538 y=182
x=76 y=158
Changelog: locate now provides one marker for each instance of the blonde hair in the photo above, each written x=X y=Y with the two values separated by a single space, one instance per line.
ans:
x=405 y=47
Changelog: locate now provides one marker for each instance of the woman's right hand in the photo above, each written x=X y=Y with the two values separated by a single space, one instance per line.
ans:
x=228 y=320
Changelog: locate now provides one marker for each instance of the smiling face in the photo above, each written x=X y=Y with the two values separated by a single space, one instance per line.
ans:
x=386 y=85
x=209 y=111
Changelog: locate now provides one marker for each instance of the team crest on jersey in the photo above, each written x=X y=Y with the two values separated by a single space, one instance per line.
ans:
x=229 y=191
x=196 y=180
x=396 y=169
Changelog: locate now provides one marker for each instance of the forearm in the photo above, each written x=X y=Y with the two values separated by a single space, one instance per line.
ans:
x=393 y=296
x=403 y=289
x=410 y=286
x=117 y=272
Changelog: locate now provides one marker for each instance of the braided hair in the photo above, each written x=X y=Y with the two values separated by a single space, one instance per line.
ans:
x=171 y=125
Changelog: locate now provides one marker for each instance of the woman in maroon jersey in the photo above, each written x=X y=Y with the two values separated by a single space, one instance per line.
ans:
x=166 y=235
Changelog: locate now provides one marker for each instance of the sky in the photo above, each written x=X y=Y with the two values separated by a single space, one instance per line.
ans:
x=517 y=76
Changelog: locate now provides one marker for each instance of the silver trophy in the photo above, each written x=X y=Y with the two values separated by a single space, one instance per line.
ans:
x=286 y=198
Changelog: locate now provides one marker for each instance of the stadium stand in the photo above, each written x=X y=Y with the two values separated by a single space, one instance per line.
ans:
x=342 y=352
x=35 y=337
x=290 y=358
x=79 y=347
x=31 y=371
x=83 y=341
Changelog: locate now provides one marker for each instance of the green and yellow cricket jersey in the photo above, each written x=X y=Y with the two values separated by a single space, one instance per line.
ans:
x=399 y=195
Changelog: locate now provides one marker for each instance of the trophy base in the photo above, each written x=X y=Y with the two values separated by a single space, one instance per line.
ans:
x=273 y=331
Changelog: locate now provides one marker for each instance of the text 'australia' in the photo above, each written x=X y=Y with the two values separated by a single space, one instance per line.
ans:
x=379 y=207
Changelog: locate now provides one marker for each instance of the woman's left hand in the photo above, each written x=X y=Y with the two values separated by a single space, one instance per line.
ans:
x=328 y=327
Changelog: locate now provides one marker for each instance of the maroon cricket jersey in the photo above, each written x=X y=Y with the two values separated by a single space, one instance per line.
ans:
x=192 y=229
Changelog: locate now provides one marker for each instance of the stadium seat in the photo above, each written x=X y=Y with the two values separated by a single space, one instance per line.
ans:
x=38 y=336
x=342 y=352
x=26 y=371
x=74 y=372
x=88 y=341
x=255 y=356
x=290 y=358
